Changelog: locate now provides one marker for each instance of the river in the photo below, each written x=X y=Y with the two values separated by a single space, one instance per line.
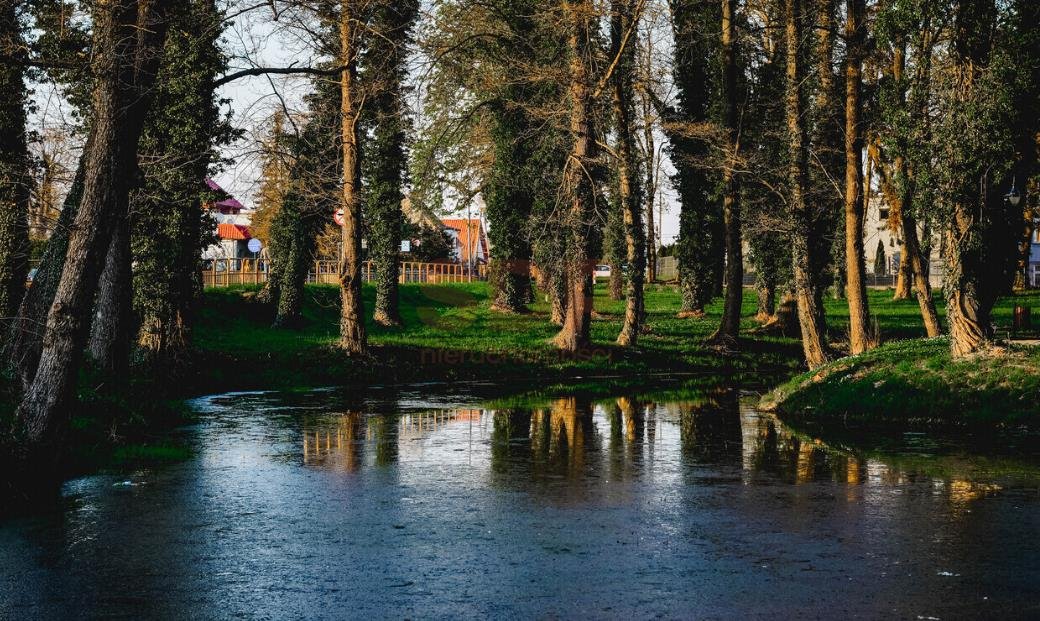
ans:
x=434 y=502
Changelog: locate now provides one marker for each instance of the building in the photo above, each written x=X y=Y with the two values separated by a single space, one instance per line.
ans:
x=876 y=229
x=233 y=220
x=471 y=244
x=1033 y=269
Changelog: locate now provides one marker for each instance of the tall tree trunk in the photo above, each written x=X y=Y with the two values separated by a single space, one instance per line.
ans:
x=623 y=26
x=557 y=298
x=855 y=262
x=352 y=338
x=26 y=338
x=766 y=290
x=650 y=190
x=109 y=343
x=810 y=308
x=14 y=167
x=296 y=261
x=969 y=296
x=127 y=47
x=578 y=315
x=729 y=329
x=384 y=71
x=905 y=273
x=177 y=147
x=901 y=220
x=923 y=289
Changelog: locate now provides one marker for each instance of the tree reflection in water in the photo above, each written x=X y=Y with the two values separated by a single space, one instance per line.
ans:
x=575 y=439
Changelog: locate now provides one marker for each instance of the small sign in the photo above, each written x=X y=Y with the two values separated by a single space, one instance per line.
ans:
x=406 y=246
x=254 y=245
x=337 y=217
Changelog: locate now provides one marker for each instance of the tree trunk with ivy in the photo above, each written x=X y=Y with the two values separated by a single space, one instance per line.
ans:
x=182 y=130
x=979 y=266
x=383 y=72
x=574 y=336
x=729 y=329
x=624 y=18
x=14 y=166
x=128 y=43
x=699 y=248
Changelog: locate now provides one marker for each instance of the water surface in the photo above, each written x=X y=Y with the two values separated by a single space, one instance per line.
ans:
x=421 y=502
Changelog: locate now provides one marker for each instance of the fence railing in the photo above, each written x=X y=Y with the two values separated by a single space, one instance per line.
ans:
x=229 y=272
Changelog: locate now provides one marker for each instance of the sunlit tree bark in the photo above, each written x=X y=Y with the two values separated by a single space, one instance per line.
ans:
x=352 y=337
x=804 y=244
x=855 y=262
x=579 y=18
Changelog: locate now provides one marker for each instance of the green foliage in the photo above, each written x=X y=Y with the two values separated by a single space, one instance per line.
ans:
x=14 y=165
x=312 y=197
x=880 y=260
x=700 y=245
x=182 y=133
x=383 y=71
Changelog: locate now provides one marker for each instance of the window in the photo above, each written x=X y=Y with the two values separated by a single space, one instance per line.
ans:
x=883 y=214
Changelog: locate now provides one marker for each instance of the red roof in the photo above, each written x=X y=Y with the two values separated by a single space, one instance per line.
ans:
x=471 y=233
x=226 y=230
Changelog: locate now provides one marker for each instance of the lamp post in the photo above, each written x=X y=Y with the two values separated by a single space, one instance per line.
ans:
x=1013 y=196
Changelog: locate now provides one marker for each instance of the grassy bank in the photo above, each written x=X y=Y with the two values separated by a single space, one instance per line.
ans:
x=450 y=333
x=917 y=385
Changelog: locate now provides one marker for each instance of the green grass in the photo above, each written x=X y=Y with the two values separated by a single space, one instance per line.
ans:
x=916 y=384
x=449 y=333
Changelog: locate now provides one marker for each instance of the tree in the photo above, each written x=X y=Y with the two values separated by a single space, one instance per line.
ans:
x=856 y=285
x=975 y=145
x=383 y=71
x=15 y=180
x=699 y=248
x=901 y=154
x=734 y=274
x=178 y=146
x=623 y=30
x=127 y=48
x=880 y=260
x=352 y=337
x=804 y=244
x=275 y=175
x=578 y=17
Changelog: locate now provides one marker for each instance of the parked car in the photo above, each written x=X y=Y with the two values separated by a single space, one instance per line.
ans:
x=601 y=271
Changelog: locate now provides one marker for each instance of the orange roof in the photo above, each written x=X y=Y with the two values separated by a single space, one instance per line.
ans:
x=471 y=233
x=226 y=230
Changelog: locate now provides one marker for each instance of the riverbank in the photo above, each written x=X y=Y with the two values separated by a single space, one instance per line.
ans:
x=916 y=385
x=450 y=335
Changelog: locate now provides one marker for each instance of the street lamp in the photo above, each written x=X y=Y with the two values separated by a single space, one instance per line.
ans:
x=1013 y=197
